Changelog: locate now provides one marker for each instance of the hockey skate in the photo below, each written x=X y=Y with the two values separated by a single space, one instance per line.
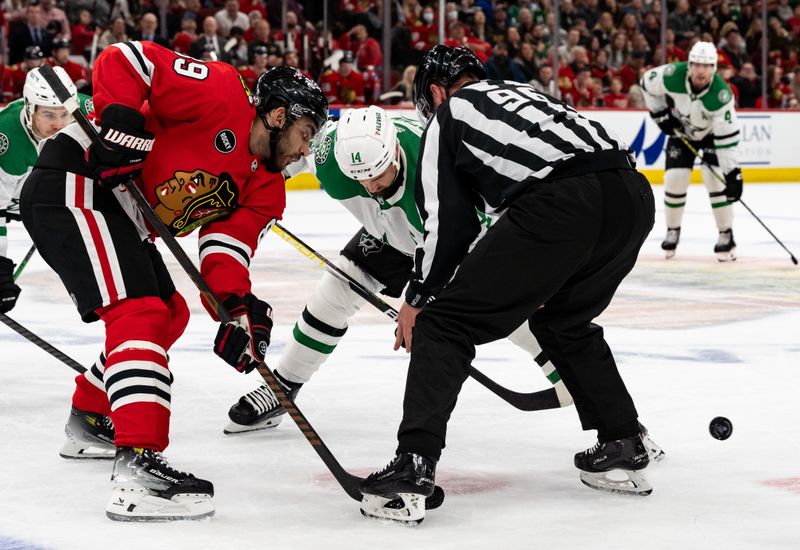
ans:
x=147 y=488
x=654 y=451
x=725 y=249
x=670 y=243
x=616 y=466
x=89 y=435
x=259 y=409
x=398 y=491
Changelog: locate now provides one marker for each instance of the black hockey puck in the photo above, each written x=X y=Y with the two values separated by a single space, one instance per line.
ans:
x=720 y=428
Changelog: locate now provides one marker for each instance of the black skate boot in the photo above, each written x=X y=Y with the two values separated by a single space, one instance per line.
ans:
x=260 y=408
x=621 y=457
x=89 y=435
x=725 y=249
x=654 y=451
x=670 y=242
x=147 y=488
x=398 y=491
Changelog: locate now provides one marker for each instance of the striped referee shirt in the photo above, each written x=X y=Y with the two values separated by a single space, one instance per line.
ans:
x=487 y=143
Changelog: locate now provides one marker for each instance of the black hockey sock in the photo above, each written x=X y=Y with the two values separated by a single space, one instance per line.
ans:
x=625 y=431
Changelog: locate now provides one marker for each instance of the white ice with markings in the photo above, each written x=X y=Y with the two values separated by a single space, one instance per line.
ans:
x=693 y=338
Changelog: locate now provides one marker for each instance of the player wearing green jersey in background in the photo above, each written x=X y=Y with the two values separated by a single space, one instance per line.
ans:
x=690 y=100
x=367 y=162
x=23 y=124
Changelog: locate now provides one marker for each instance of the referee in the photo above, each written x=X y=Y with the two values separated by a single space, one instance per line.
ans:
x=574 y=214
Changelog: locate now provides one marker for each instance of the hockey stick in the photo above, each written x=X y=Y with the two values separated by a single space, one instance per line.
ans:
x=24 y=261
x=349 y=482
x=699 y=155
x=536 y=401
x=58 y=354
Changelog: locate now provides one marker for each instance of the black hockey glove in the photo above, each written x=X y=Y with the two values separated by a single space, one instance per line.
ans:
x=9 y=291
x=126 y=145
x=668 y=123
x=243 y=343
x=733 y=185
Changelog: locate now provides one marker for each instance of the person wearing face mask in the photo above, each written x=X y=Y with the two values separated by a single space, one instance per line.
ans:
x=206 y=154
x=425 y=32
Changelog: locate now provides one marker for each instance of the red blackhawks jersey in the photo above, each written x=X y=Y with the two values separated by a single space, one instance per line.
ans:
x=200 y=172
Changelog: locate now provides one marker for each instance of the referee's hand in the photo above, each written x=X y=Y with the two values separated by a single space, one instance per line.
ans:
x=406 y=319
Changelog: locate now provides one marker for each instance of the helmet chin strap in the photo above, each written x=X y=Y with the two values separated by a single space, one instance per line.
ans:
x=274 y=132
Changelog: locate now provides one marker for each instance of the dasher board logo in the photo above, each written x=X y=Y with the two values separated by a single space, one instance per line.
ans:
x=225 y=142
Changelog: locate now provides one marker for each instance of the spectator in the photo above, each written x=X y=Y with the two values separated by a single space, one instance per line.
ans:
x=635 y=9
x=291 y=59
x=794 y=85
x=651 y=29
x=55 y=30
x=182 y=41
x=294 y=33
x=424 y=32
x=479 y=28
x=31 y=33
x=732 y=46
x=82 y=32
x=778 y=91
x=366 y=49
x=500 y=67
x=703 y=17
x=615 y=99
x=100 y=11
x=513 y=41
x=262 y=36
x=252 y=16
x=117 y=32
x=544 y=81
x=77 y=73
x=497 y=30
x=640 y=44
x=746 y=18
x=346 y=85
x=674 y=53
x=617 y=14
x=525 y=23
x=209 y=53
x=749 y=85
x=568 y=14
x=632 y=69
x=250 y=73
x=16 y=74
x=565 y=51
x=412 y=11
x=526 y=59
x=405 y=87
x=604 y=29
x=458 y=37
x=726 y=71
x=235 y=48
x=600 y=68
x=196 y=11
x=783 y=10
x=590 y=12
x=120 y=8
x=794 y=22
x=581 y=94
x=681 y=22
x=52 y=13
x=230 y=16
x=147 y=30
x=208 y=36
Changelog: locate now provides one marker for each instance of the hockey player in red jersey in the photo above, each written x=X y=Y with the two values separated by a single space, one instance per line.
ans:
x=206 y=153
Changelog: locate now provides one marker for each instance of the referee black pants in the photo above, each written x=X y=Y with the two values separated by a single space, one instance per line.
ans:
x=555 y=258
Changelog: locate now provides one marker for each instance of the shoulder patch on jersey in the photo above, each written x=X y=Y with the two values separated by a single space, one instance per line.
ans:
x=3 y=143
x=321 y=154
x=670 y=70
x=88 y=105
x=225 y=142
x=724 y=95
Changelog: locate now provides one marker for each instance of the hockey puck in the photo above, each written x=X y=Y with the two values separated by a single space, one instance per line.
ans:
x=720 y=428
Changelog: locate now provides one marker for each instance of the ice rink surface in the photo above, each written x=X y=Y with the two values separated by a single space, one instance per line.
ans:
x=693 y=338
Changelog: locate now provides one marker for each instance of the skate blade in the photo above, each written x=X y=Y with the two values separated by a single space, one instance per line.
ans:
x=137 y=504
x=233 y=428
x=411 y=510
x=635 y=483
x=82 y=450
x=431 y=503
x=726 y=256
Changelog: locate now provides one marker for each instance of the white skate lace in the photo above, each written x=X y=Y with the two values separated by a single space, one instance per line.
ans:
x=593 y=449
x=107 y=423
x=162 y=461
x=262 y=399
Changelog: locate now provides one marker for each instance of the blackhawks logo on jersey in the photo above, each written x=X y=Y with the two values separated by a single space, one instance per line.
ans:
x=191 y=199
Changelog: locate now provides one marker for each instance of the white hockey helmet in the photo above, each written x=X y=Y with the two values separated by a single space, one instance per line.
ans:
x=38 y=92
x=704 y=53
x=366 y=143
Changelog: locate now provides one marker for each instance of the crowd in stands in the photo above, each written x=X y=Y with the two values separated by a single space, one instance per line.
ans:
x=604 y=45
